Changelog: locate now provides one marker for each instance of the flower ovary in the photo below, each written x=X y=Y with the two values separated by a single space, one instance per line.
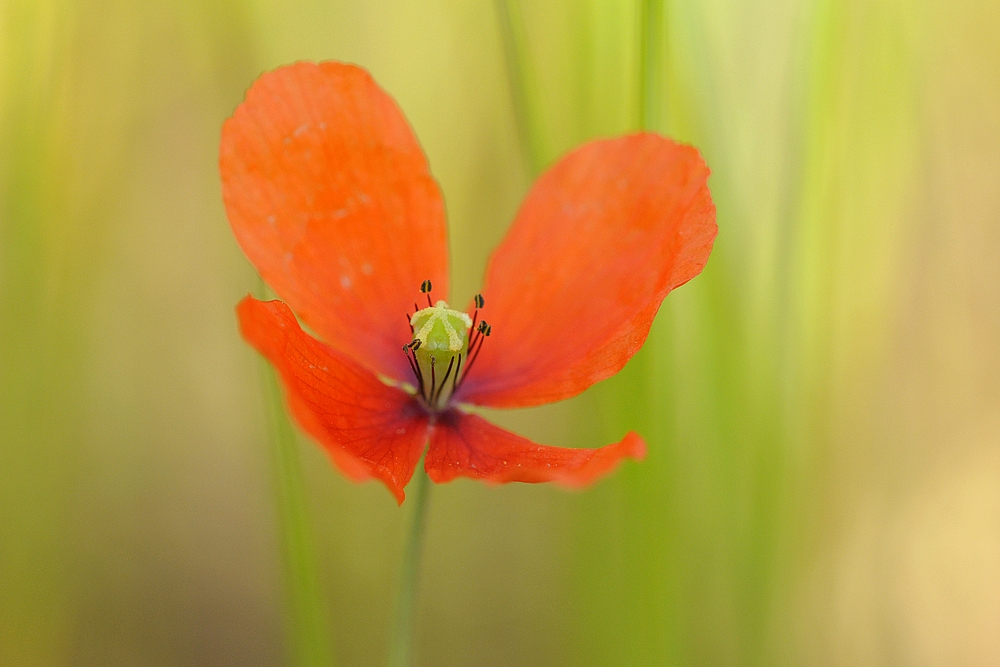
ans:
x=440 y=343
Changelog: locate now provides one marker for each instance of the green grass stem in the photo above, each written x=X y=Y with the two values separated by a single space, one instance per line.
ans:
x=307 y=624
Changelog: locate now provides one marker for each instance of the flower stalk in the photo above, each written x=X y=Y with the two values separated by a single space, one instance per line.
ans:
x=401 y=639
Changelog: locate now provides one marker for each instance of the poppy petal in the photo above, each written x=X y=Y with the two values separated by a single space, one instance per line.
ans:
x=572 y=290
x=465 y=445
x=369 y=428
x=330 y=197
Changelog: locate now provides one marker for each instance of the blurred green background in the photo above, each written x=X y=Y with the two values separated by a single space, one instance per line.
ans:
x=822 y=404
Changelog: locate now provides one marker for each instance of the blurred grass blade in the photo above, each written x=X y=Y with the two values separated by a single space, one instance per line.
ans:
x=651 y=48
x=306 y=619
x=523 y=83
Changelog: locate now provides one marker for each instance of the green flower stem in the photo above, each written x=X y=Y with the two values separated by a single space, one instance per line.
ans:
x=401 y=641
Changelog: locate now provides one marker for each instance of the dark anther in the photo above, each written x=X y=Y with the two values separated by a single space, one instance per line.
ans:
x=479 y=301
x=425 y=287
x=414 y=344
x=475 y=345
x=476 y=337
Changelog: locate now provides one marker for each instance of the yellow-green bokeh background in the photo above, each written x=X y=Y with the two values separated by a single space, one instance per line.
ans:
x=822 y=405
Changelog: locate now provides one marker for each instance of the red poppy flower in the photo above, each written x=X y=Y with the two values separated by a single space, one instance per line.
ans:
x=331 y=199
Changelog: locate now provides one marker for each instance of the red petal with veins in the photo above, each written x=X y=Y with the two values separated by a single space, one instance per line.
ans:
x=572 y=290
x=330 y=197
x=369 y=428
x=465 y=445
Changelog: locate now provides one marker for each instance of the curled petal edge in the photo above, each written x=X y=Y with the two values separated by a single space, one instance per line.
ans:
x=368 y=428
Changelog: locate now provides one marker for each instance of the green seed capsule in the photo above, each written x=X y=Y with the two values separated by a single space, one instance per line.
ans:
x=440 y=334
x=441 y=329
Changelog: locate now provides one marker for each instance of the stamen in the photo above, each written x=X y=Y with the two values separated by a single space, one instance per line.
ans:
x=444 y=381
x=438 y=330
x=474 y=337
x=475 y=355
x=415 y=367
x=482 y=331
x=479 y=333
x=425 y=287
x=480 y=302
x=458 y=369
x=433 y=383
